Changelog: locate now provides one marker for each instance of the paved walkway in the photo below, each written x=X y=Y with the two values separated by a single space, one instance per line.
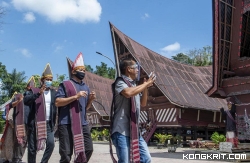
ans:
x=101 y=155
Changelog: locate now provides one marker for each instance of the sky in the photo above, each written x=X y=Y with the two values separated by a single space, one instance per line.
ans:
x=37 y=32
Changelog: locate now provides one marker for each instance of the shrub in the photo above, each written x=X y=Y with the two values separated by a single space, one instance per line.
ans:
x=217 y=138
x=162 y=137
x=95 y=134
x=105 y=132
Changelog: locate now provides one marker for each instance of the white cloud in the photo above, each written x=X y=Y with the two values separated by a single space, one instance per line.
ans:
x=1 y=31
x=81 y=11
x=172 y=47
x=4 y=4
x=24 y=52
x=58 y=48
x=171 y=50
x=29 y=17
x=145 y=16
x=94 y=43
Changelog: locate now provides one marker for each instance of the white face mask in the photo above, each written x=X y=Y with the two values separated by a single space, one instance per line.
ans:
x=48 y=83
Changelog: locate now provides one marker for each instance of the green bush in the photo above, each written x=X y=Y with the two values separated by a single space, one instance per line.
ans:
x=105 y=132
x=95 y=134
x=217 y=138
x=163 y=137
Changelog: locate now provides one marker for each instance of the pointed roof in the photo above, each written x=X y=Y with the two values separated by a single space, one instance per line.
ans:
x=47 y=71
x=69 y=64
x=183 y=85
x=78 y=61
x=31 y=82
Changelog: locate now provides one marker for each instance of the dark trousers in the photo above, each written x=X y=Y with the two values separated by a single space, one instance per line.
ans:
x=32 y=145
x=66 y=142
x=18 y=150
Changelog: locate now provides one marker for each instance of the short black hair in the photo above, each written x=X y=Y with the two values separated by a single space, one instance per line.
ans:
x=125 y=63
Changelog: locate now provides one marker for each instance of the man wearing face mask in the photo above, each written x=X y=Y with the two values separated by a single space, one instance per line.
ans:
x=73 y=99
x=41 y=118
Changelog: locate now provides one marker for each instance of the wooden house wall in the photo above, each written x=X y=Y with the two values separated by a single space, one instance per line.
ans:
x=189 y=118
x=206 y=116
x=219 y=117
x=189 y=114
x=166 y=116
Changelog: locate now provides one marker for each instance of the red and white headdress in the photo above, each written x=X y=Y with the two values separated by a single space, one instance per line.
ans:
x=79 y=63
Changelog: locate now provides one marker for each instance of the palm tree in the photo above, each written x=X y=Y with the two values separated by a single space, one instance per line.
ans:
x=14 y=82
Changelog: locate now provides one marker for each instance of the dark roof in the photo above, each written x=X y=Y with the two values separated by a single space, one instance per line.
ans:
x=183 y=85
x=102 y=88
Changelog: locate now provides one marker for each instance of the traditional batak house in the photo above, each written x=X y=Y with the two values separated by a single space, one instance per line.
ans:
x=176 y=103
x=231 y=58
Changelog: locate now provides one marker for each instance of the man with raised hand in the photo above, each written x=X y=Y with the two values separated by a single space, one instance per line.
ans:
x=125 y=113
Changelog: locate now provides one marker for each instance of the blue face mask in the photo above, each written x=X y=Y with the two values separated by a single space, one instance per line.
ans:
x=48 y=83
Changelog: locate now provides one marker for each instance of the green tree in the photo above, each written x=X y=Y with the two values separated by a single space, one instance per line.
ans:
x=13 y=82
x=89 y=68
x=102 y=70
x=111 y=73
x=196 y=57
x=60 y=79
x=105 y=71
x=3 y=74
x=37 y=80
x=182 y=58
x=3 y=71
x=207 y=53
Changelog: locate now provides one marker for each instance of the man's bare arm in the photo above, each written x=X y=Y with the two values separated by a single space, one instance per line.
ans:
x=144 y=98
x=132 y=91
x=65 y=101
x=14 y=104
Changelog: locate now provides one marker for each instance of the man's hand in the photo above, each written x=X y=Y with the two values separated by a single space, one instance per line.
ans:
x=42 y=89
x=81 y=94
x=92 y=95
x=20 y=98
x=150 y=80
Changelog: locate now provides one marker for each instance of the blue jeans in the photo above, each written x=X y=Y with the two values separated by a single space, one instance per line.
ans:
x=122 y=144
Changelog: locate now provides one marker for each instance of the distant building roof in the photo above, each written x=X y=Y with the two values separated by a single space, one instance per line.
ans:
x=102 y=88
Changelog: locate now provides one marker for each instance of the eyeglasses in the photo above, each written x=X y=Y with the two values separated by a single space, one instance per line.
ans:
x=134 y=66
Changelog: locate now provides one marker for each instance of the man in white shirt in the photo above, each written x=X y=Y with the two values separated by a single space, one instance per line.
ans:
x=42 y=117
